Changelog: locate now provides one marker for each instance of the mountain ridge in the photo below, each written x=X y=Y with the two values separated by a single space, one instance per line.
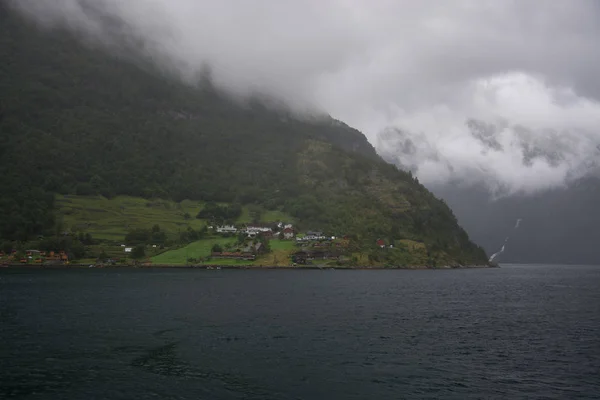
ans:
x=76 y=120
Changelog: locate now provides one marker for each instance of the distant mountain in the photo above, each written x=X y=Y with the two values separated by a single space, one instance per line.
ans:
x=76 y=120
x=558 y=226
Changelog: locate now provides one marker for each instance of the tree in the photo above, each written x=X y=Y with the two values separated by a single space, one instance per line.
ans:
x=265 y=242
x=138 y=236
x=255 y=212
x=138 y=252
x=75 y=249
x=103 y=255
x=216 y=248
x=7 y=247
x=84 y=189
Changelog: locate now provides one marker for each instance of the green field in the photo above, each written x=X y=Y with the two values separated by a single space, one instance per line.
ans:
x=281 y=249
x=197 y=250
x=111 y=219
x=286 y=245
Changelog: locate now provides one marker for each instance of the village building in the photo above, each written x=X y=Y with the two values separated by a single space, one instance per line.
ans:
x=226 y=229
x=249 y=252
x=307 y=256
x=288 y=233
x=314 y=235
x=258 y=228
x=254 y=230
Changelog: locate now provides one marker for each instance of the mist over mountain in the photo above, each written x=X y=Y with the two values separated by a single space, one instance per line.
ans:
x=546 y=179
x=556 y=226
x=500 y=96
x=80 y=119
x=505 y=157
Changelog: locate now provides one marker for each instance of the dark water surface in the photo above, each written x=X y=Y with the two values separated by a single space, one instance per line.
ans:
x=513 y=332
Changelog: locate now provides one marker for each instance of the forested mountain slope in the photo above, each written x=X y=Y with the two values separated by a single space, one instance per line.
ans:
x=77 y=120
x=560 y=226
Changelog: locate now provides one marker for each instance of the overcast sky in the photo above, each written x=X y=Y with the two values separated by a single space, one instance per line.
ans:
x=531 y=67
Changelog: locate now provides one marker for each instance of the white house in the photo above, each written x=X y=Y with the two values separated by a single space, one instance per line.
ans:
x=226 y=229
x=314 y=236
x=257 y=229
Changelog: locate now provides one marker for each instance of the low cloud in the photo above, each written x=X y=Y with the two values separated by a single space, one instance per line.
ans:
x=512 y=133
x=506 y=93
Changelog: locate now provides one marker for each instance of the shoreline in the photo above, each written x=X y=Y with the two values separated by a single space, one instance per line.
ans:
x=244 y=267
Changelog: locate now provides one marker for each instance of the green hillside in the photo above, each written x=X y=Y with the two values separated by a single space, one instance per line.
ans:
x=111 y=219
x=76 y=121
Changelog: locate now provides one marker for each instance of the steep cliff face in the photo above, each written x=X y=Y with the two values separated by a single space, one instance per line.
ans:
x=557 y=226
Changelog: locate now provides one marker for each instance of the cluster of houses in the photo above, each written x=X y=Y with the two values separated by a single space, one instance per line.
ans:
x=248 y=252
x=307 y=256
x=315 y=246
x=254 y=230
x=37 y=257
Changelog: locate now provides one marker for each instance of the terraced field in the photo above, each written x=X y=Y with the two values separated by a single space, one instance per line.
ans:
x=111 y=219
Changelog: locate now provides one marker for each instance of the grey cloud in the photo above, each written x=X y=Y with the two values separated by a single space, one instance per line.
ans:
x=525 y=70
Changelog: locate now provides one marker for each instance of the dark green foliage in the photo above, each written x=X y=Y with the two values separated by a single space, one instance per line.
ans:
x=85 y=238
x=74 y=248
x=103 y=255
x=138 y=252
x=217 y=248
x=75 y=120
x=241 y=238
x=137 y=236
x=191 y=235
x=25 y=212
x=255 y=212
x=220 y=213
x=7 y=247
x=265 y=242
x=146 y=236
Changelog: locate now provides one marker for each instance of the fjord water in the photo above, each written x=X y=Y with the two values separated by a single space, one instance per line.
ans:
x=513 y=332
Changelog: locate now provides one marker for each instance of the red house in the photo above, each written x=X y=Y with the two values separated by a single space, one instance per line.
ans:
x=288 y=233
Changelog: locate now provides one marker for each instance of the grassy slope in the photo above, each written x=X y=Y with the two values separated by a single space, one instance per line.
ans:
x=200 y=249
x=108 y=220
x=196 y=250
x=111 y=219
x=103 y=125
